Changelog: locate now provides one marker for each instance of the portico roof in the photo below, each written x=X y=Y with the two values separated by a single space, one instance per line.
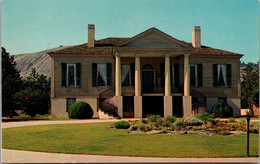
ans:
x=108 y=45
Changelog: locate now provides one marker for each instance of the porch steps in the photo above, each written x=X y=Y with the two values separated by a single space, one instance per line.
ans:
x=111 y=100
x=103 y=115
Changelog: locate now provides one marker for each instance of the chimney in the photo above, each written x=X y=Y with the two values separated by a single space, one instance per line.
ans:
x=91 y=35
x=196 y=38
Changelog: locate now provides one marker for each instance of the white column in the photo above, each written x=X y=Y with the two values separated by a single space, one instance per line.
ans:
x=118 y=75
x=137 y=76
x=167 y=89
x=186 y=75
x=137 y=98
x=187 y=101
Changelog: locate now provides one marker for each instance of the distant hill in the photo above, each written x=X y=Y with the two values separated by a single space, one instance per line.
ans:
x=39 y=60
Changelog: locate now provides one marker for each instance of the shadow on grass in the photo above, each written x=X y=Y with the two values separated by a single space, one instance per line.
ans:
x=28 y=118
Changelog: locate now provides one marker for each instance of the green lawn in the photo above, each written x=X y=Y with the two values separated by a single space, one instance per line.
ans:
x=97 y=139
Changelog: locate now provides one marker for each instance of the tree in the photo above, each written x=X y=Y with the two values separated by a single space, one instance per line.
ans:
x=34 y=98
x=250 y=85
x=11 y=83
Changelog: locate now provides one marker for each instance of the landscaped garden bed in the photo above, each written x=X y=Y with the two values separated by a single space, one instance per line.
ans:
x=199 y=124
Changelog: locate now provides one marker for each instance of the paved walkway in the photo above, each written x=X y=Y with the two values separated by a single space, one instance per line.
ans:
x=18 y=156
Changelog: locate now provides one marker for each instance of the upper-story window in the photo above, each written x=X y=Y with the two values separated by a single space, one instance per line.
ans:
x=128 y=74
x=196 y=75
x=222 y=75
x=71 y=75
x=101 y=74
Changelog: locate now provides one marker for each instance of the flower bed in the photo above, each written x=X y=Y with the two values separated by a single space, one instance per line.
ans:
x=200 y=124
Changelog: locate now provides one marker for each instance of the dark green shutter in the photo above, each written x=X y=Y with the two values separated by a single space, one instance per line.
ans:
x=63 y=74
x=109 y=70
x=132 y=73
x=200 y=75
x=176 y=75
x=162 y=72
x=215 y=75
x=94 y=74
x=229 y=75
x=78 y=74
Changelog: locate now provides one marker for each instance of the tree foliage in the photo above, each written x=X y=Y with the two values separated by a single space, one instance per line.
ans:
x=34 y=98
x=250 y=85
x=11 y=83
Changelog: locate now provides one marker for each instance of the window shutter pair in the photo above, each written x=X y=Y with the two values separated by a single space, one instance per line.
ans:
x=64 y=74
x=215 y=75
x=94 y=74
x=176 y=75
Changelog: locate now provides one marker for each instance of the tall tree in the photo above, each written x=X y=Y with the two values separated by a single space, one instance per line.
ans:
x=34 y=98
x=250 y=85
x=11 y=83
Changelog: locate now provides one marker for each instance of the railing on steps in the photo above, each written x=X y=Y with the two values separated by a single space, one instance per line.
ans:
x=106 y=105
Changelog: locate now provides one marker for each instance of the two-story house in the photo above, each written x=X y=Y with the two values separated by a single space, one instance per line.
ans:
x=150 y=73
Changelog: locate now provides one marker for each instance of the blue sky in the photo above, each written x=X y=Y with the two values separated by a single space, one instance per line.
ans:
x=35 y=25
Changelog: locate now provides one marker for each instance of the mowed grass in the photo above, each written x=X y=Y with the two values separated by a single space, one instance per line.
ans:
x=96 y=138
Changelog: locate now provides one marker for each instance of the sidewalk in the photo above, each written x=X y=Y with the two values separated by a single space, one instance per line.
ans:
x=17 y=156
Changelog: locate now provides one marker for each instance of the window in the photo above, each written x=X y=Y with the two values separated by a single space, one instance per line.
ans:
x=101 y=74
x=196 y=78
x=70 y=101
x=71 y=74
x=222 y=75
x=125 y=71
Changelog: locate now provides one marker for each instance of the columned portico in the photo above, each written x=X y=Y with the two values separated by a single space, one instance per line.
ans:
x=118 y=86
x=186 y=98
x=167 y=89
x=137 y=97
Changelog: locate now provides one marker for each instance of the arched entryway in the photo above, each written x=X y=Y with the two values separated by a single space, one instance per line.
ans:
x=147 y=78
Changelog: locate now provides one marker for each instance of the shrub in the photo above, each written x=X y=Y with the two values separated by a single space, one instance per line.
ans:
x=170 y=119
x=222 y=109
x=192 y=121
x=143 y=121
x=122 y=125
x=155 y=119
x=232 y=119
x=205 y=117
x=141 y=127
x=80 y=110
x=178 y=125
x=134 y=127
x=166 y=123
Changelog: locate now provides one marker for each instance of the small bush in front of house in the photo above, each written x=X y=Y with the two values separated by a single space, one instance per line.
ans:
x=141 y=126
x=192 y=121
x=205 y=117
x=80 y=110
x=178 y=124
x=122 y=125
x=155 y=119
x=143 y=121
x=134 y=127
x=222 y=109
x=170 y=119
x=231 y=119
x=166 y=123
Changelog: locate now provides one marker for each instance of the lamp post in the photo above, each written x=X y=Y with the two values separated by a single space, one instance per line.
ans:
x=248 y=122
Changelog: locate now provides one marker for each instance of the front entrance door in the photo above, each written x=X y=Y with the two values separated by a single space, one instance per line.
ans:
x=147 y=81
